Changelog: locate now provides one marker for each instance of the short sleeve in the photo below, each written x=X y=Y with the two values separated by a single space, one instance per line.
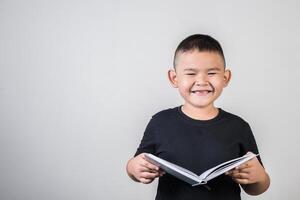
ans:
x=249 y=143
x=147 y=144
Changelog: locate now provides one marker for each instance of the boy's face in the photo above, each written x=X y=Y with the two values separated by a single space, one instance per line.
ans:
x=200 y=77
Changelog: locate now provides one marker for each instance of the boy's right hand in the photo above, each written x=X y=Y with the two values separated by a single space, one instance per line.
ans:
x=141 y=170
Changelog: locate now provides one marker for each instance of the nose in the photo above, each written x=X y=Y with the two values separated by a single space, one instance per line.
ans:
x=201 y=80
x=201 y=83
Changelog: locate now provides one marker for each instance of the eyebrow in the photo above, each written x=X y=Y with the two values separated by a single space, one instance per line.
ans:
x=190 y=69
x=214 y=69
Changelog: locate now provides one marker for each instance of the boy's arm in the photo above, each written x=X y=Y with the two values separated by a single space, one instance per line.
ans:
x=252 y=177
x=259 y=187
x=140 y=170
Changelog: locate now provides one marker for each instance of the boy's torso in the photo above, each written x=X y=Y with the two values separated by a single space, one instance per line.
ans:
x=197 y=145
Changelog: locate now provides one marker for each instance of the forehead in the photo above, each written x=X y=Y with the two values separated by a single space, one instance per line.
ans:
x=199 y=60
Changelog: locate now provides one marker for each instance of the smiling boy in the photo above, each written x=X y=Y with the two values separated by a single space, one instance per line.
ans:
x=200 y=78
x=198 y=135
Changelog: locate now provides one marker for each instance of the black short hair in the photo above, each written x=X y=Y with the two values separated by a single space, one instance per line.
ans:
x=201 y=43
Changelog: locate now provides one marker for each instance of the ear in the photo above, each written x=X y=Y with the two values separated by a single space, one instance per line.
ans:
x=227 y=77
x=173 y=78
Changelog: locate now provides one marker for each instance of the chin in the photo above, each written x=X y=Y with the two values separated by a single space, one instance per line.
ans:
x=201 y=106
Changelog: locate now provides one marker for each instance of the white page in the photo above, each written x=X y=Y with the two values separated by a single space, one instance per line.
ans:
x=175 y=170
x=232 y=165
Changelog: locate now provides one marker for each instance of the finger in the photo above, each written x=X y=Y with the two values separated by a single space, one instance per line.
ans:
x=245 y=170
x=146 y=169
x=241 y=181
x=161 y=173
x=150 y=166
x=236 y=171
x=244 y=165
x=149 y=175
x=229 y=172
x=145 y=180
x=240 y=176
x=142 y=161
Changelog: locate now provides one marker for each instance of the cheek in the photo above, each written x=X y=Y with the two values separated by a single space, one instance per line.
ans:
x=218 y=84
x=185 y=84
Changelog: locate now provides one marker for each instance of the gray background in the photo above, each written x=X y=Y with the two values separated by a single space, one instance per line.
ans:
x=79 y=81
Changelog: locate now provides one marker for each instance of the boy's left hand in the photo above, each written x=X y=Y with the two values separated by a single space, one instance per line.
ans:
x=248 y=173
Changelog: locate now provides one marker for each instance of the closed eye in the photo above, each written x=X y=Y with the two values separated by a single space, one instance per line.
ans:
x=190 y=74
x=211 y=73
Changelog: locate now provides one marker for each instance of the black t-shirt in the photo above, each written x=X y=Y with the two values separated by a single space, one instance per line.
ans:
x=197 y=145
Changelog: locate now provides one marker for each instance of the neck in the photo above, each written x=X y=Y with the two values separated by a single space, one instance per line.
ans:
x=200 y=113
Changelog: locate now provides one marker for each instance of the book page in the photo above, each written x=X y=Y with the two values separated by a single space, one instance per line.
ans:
x=175 y=170
x=224 y=167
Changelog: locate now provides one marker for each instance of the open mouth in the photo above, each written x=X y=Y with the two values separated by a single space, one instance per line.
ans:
x=202 y=92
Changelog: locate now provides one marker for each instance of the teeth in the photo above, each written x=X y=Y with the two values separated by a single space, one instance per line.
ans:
x=201 y=91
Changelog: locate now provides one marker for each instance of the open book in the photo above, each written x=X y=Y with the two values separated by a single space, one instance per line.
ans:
x=192 y=178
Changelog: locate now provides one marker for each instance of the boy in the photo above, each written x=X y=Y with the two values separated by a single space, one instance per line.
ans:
x=197 y=135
